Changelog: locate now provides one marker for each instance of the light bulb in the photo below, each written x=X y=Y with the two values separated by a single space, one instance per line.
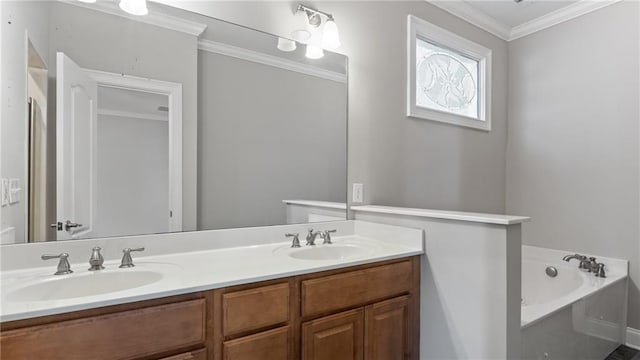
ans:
x=314 y=52
x=134 y=7
x=301 y=32
x=330 y=35
x=286 y=45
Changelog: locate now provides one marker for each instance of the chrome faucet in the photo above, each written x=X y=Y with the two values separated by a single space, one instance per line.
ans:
x=600 y=271
x=311 y=237
x=582 y=258
x=296 y=241
x=326 y=236
x=63 y=265
x=96 y=260
x=127 y=261
x=590 y=264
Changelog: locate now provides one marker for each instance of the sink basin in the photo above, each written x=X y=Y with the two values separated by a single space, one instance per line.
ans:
x=75 y=286
x=331 y=252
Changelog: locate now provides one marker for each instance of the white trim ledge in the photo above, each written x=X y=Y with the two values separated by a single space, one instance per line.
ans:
x=269 y=60
x=444 y=214
x=318 y=204
x=633 y=338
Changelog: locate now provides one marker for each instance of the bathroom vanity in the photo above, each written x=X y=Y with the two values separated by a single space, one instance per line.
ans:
x=357 y=298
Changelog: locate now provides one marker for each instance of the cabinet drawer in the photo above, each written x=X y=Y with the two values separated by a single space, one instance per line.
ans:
x=335 y=292
x=123 y=335
x=268 y=345
x=200 y=354
x=254 y=309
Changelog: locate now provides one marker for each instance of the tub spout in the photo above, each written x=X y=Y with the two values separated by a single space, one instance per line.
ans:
x=582 y=258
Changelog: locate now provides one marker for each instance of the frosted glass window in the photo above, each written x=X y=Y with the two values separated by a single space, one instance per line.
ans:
x=446 y=80
x=448 y=77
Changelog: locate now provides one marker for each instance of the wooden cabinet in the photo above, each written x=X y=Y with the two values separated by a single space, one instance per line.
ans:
x=366 y=312
x=335 y=337
x=256 y=308
x=200 y=354
x=122 y=335
x=376 y=332
x=266 y=345
x=387 y=330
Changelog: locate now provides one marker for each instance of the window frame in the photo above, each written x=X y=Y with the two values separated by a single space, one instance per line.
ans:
x=418 y=28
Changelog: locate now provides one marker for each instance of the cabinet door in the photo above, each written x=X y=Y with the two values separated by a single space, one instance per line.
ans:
x=335 y=337
x=267 y=345
x=387 y=330
x=200 y=354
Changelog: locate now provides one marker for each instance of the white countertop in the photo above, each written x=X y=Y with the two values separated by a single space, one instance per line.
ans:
x=443 y=214
x=201 y=270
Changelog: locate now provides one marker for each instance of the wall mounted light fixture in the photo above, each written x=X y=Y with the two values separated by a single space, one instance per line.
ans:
x=315 y=24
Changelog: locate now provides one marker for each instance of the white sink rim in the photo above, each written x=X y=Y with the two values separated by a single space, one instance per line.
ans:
x=328 y=252
x=82 y=285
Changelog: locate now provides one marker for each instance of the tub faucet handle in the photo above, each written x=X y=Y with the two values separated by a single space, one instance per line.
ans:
x=600 y=271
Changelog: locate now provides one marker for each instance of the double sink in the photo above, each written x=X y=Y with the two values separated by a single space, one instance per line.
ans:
x=94 y=283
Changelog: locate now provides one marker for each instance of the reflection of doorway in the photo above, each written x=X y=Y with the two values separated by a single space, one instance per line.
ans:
x=133 y=163
x=36 y=196
x=153 y=91
x=118 y=172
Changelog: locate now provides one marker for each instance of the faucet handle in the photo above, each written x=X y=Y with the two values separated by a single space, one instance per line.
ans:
x=96 y=260
x=127 y=261
x=63 y=265
x=326 y=235
x=600 y=271
x=296 y=240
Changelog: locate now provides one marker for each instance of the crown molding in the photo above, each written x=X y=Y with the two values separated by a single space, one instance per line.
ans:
x=153 y=18
x=270 y=60
x=472 y=15
x=559 y=16
x=476 y=17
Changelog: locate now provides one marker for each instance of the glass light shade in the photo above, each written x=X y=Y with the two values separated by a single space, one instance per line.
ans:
x=330 y=35
x=314 y=52
x=88 y=1
x=286 y=45
x=302 y=30
x=134 y=7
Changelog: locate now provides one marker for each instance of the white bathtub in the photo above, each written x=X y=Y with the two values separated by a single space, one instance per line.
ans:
x=574 y=315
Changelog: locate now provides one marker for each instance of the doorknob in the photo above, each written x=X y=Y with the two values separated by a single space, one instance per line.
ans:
x=57 y=226
x=67 y=226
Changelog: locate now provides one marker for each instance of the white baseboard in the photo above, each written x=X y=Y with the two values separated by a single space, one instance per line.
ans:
x=633 y=338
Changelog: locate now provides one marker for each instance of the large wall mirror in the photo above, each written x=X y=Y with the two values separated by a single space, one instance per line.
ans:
x=115 y=125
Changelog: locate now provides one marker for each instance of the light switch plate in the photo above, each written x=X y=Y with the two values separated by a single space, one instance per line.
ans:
x=357 y=193
x=5 y=192
x=14 y=191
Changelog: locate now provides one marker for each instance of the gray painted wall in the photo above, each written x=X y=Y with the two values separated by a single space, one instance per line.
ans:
x=17 y=17
x=133 y=176
x=573 y=160
x=401 y=161
x=100 y=41
x=266 y=135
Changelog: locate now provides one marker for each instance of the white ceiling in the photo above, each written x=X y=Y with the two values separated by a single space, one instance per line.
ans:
x=513 y=14
x=510 y=20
